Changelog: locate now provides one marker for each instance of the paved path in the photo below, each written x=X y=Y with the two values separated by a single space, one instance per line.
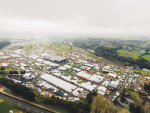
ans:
x=126 y=105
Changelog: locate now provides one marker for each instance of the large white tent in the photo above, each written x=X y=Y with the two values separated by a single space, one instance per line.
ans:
x=1 y=53
x=96 y=78
x=83 y=74
x=88 y=86
x=101 y=88
x=112 y=75
x=113 y=84
x=27 y=75
x=58 y=82
x=50 y=63
x=5 y=64
x=15 y=55
x=33 y=56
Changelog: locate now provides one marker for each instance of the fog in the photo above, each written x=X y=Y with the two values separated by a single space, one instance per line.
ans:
x=99 y=17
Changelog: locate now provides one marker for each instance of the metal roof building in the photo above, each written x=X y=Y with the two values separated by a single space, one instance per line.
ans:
x=55 y=58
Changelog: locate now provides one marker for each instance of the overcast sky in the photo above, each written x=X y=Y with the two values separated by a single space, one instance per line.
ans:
x=81 y=16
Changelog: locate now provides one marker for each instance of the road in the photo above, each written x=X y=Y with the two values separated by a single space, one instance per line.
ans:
x=34 y=109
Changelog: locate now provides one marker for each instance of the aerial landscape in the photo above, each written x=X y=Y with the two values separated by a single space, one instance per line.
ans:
x=78 y=56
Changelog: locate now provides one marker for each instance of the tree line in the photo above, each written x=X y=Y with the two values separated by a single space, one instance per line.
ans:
x=147 y=86
x=4 y=43
x=110 y=53
x=16 y=72
x=73 y=107
x=101 y=104
x=18 y=89
x=69 y=105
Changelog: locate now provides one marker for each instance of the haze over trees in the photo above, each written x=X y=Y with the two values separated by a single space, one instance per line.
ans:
x=109 y=49
x=4 y=43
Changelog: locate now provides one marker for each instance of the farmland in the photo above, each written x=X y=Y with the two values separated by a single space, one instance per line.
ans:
x=60 y=47
x=124 y=52
x=55 y=46
x=147 y=57
x=32 y=47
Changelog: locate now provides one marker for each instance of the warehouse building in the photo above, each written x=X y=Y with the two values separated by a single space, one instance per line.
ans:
x=55 y=58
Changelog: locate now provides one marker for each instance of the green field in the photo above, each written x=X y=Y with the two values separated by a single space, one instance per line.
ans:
x=60 y=47
x=5 y=106
x=124 y=52
x=33 y=47
x=147 y=57
x=53 y=45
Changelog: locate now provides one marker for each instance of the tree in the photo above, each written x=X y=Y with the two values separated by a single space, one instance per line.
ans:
x=71 y=47
x=80 y=111
x=90 y=97
x=115 y=101
x=101 y=104
x=146 y=50
x=123 y=111
x=131 y=107
x=22 y=72
x=2 y=68
x=18 y=89
x=138 y=109
x=116 y=77
x=31 y=46
x=138 y=101
x=13 y=72
x=124 y=90
x=29 y=111
x=4 y=43
x=122 y=99
x=134 y=95
x=146 y=107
